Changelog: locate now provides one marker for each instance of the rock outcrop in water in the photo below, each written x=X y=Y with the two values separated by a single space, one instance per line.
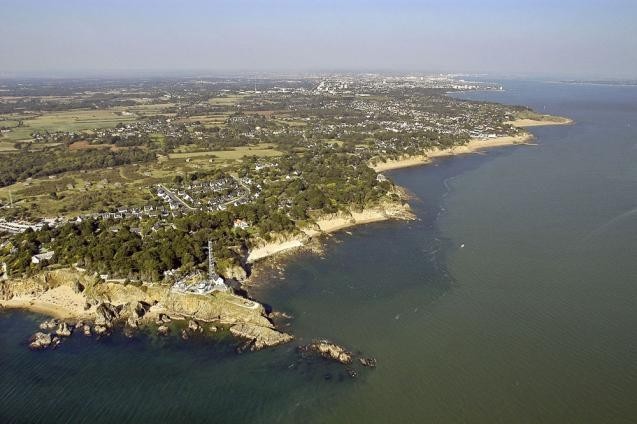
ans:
x=49 y=324
x=328 y=350
x=63 y=330
x=333 y=352
x=259 y=337
x=40 y=340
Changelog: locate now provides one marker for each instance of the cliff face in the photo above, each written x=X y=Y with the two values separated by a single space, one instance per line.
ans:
x=382 y=212
x=389 y=209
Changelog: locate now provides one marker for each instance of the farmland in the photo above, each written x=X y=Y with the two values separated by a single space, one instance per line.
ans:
x=82 y=147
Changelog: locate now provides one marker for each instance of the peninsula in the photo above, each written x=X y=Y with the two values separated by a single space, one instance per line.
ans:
x=114 y=193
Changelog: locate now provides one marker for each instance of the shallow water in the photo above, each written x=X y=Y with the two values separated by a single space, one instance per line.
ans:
x=533 y=320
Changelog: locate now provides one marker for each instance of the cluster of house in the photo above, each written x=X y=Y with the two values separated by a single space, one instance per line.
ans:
x=17 y=227
x=374 y=83
x=127 y=132
x=207 y=195
x=128 y=213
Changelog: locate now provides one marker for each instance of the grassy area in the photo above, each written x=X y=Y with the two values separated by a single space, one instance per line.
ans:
x=228 y=100
x=147 y=109
x=537 y=116
x=7 y=146
x=76 y=120
x=237 y=153
x=76 y=193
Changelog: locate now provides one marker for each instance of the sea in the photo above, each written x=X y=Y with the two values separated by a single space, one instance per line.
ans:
x=511 y=299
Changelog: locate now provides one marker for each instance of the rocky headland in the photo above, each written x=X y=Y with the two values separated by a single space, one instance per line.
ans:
x=83 y=303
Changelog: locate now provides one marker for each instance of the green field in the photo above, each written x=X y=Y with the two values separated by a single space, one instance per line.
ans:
x=237 y=153
x=76 y=120
x=228 y=100
x=7 y=146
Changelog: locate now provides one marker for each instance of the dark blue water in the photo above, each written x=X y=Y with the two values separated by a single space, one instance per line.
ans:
x=533 y=320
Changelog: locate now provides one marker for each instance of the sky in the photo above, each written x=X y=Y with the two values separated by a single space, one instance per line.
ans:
x=567 y=38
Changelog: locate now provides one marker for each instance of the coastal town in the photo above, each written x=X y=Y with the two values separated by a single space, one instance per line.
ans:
x=184 y=184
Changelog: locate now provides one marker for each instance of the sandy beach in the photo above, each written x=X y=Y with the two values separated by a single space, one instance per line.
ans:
x=475 y=144
x=60 y=302
x=550 y=120
x=270 y=249
x=471 y=147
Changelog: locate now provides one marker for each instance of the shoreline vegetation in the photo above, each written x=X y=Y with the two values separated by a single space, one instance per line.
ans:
x=399 y=210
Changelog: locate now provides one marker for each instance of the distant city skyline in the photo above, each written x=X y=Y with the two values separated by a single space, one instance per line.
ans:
x=569 y=39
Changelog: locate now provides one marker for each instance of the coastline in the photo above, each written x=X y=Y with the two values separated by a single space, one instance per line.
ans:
x=548 y=120
x=328 y=224
x=61 y=301
x=340 y=221
x=82 y=301
x=474 y=145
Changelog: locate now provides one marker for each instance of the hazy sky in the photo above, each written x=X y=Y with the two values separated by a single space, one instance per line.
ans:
x=583 y=38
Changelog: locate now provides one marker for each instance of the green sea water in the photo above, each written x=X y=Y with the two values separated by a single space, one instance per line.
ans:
x=512 y=299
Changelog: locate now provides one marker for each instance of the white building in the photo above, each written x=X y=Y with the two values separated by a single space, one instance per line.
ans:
x=45 y=256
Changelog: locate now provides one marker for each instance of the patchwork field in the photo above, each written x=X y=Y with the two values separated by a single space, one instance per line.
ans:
x=76 y=120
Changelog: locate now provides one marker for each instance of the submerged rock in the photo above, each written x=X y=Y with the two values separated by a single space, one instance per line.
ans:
x=86 y=329
x=128 y=332
x=280 y=315
x=162 y=330
x=258 y=336
x=368 y=362
x=213 y=328
x=55 y=341
x=40 y=340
